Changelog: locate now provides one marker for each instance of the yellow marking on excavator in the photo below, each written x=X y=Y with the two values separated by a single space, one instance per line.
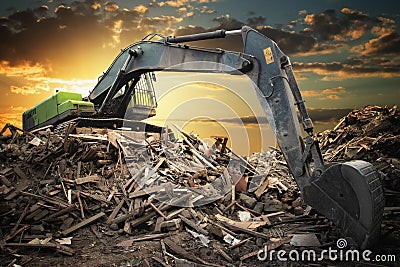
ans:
x=269 y=57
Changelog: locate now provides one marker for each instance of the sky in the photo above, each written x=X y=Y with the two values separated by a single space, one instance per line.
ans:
x=345 y=54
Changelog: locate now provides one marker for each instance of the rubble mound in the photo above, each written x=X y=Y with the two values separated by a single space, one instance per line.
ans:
x=371 y=134
x=98 y=197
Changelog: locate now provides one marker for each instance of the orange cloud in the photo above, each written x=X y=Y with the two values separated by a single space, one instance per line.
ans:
x=387 y=42
x=176 y=3
x=12 y=115
x=332 y=93
x=310 y=93
x=336 y=71
x=337 y=90
x=140 y=9
x=23 y=90
x=386 y=20
x=117 y=29
x=25 y=69
x=28 y=79
x=349 y=11
x=111 y=6
x=95 y=6
x=333 y=97
x=60 y=7
x=302 y=12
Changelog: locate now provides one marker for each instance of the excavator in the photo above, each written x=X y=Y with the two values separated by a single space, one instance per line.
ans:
x=350 y=194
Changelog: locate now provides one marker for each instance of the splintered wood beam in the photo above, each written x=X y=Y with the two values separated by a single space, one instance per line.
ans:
x=83 y=223
x=193 y=225
x=115 y=212
x=60 y=248
x=87 y=179
x=185 y=254
x=49 y=200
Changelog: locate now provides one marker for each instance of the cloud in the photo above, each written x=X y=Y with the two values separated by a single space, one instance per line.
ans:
x=330 y=93
x=385 y=21
x=24 y=90
x=173 y=3
x=337 y=90
x=82 y=32
x=205 y=10
x=140 y=9
x=290 y=42
x=245 y=120
x=11 y=116
x=387 y=42
x=318 y=115
x=111 y=6
x=117 y=29
x=95 y=5
x=33 y=79
x=310 y=93
x=163 y=20
x=327 y=115
x=333 y=97
x=328 y=25
x=25 y=69
x=349 y=70
x=302 y=12
x=256 y=21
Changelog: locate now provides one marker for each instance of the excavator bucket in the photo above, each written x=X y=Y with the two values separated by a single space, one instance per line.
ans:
x=351 y=195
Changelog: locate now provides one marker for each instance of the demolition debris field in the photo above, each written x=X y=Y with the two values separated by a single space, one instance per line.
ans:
x=97 y=197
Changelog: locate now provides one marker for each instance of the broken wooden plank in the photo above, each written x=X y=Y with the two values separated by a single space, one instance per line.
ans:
x=5 y=181
x=20 y=173
x=16 y=232
x=157 y=210
x=193 y=225
x=185 y=254
x=240 y=243
x=244 y=225
x=217 y=247
x=49 y=200
x=88 y=179
x=96 y=197
x=83 y=223
x=147 y=191
x=134 y=178
x=61 y=212
x=60 y=248
x=89 y=137
x=80 y=205
x=261 y=188
x=6 y=171
x=114 y=212
x=129 y=242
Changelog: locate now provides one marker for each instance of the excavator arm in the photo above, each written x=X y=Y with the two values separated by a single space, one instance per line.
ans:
x=349 y=194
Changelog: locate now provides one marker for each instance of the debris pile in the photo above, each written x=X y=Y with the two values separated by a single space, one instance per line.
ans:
x=371 y=134
x=122 y=198
x=142 y=193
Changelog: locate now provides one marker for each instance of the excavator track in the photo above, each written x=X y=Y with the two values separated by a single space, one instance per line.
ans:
x=110 y=123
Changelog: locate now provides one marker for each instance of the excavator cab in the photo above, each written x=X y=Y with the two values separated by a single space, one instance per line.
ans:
x=142 y=103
